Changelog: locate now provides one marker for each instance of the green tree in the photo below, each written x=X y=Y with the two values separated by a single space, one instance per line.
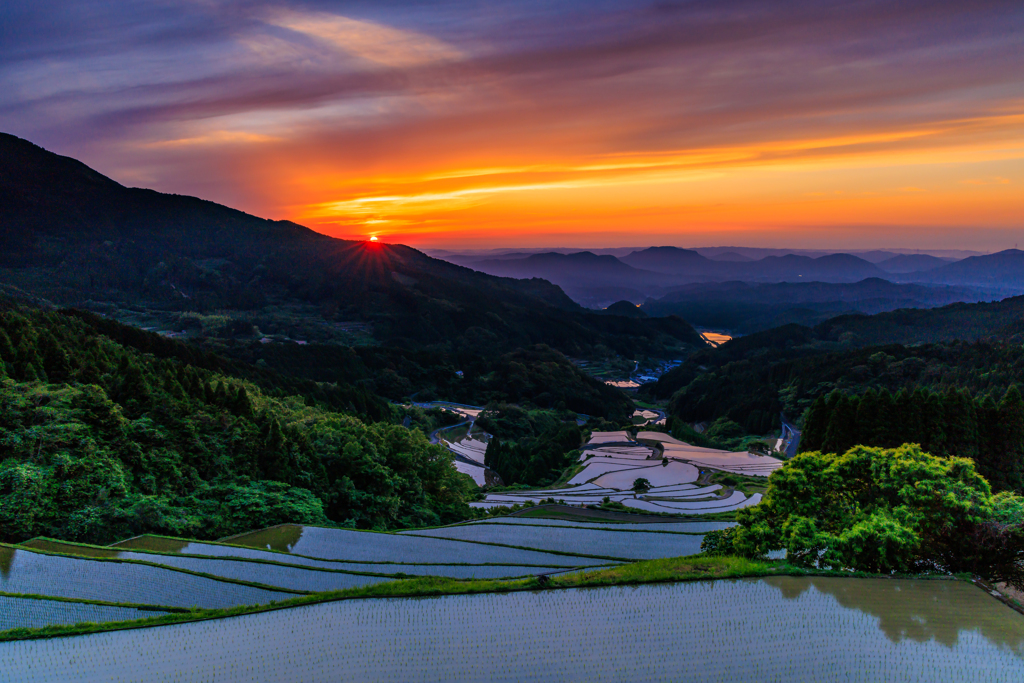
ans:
x=882 y=510
x=640 y=485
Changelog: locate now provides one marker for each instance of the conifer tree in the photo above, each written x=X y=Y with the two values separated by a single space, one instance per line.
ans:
x=867 y=417
x=816 y=422
x=241 y=405
x=886 y=431
x=1011 y=422
x=841 y=434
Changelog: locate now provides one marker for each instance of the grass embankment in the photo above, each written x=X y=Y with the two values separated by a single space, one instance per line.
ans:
x=690 y=568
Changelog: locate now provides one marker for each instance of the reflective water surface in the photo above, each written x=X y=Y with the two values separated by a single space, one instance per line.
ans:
x=787 y=629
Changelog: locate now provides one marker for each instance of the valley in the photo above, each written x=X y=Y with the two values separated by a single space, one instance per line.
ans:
x=215 y=428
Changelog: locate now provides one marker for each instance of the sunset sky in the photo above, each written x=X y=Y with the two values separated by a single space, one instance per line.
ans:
x=593 y=124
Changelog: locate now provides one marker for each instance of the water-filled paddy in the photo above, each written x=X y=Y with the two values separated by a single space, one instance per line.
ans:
x=455 y=571
x=277 y=576
x=34 y=613
x=790 y=629
x=638 y=545
x=365 y=546
x=26 y=572
x=677 y=527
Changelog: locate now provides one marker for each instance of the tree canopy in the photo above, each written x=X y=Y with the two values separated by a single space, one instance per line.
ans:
x=99 y=441
x=887 y=510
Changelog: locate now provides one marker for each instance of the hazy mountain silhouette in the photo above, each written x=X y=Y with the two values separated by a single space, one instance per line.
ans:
x=1002 y=269
x=911 y=263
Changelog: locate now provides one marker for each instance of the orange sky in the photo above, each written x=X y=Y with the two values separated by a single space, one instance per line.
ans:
x=562 y=124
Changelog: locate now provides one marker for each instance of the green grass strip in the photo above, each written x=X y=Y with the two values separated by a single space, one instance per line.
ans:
x=101 y=603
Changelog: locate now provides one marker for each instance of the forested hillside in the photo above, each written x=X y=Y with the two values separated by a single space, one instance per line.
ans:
x=985 y=428
x=752 y=380
x=102 y=439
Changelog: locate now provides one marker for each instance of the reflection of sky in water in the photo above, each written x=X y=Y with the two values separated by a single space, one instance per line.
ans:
x=748 y=630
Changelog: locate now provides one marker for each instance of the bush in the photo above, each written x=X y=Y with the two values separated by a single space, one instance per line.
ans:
x=718 y=542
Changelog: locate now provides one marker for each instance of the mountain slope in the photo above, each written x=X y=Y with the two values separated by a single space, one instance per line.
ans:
x=78 y=238
x=670 y=261
x=911 y=263
x=1002 y=269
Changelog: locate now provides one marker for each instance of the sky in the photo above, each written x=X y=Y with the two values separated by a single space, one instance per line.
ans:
x=450 y=124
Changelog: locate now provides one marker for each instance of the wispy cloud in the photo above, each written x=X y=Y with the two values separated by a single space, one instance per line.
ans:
x=368 y=40
x=435 y=114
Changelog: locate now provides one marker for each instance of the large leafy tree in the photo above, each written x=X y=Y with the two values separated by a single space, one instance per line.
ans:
x=887 y=510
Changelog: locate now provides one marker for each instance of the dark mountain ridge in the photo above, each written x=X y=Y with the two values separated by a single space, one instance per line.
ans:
x=75 y=237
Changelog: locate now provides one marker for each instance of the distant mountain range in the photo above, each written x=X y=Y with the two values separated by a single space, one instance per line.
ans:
x=78 y=238
x=598 y=280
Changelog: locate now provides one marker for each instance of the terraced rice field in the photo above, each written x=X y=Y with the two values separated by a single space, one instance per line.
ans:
x=468 y=448
x=373 y=547
x=476 y=472
x=710 y=458
x=800 y=630
x=625 y=545
x=673 y=527
x=455 y=571
x=735 y=501
x=288 y=577
x=33 y=573
x=673 y=490
x=36 y=613
x=659 y=496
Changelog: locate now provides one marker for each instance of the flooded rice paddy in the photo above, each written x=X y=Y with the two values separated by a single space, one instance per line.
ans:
x=367 y=546
x=676 y=527
x=34 y=613
x=408 y=566
x=777 y=629
x=31 y=573
x=635 y=545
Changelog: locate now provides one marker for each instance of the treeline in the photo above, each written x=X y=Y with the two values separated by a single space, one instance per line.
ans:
x=333 y=393
x=538 y=375
x=751 y=384
x=952 y=422
x=536 y=461
x=101 y=441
